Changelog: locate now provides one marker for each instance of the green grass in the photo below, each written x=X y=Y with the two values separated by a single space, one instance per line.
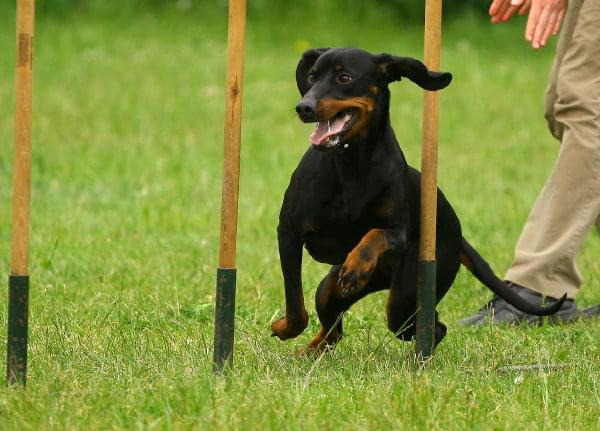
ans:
x=127 y=160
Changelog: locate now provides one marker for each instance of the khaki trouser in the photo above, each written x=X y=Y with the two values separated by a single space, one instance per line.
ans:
x=569 y=204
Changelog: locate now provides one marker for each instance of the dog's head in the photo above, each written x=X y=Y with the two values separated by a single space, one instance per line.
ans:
x=342 y=88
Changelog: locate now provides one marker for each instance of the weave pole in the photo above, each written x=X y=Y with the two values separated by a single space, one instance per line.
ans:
x=426 y=296
x=226 y=272
x=18 y=281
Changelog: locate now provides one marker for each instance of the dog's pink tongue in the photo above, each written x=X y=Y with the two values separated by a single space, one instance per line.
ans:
x=325 y=129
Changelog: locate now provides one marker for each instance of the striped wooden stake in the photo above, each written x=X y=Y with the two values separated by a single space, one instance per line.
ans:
x=18 y=282
x=226 y=272
x=426 y=296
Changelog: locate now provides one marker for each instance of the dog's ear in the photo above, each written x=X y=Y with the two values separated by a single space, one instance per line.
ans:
x=393 y=68
x=306 y=62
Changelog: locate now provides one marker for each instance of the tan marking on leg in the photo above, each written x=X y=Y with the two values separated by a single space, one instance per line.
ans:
x=361 y=262
x=321 y=342
x=286 y=328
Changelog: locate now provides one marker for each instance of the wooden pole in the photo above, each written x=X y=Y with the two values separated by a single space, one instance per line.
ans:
x=226 y=272
x=18 y=297
x=426 y=296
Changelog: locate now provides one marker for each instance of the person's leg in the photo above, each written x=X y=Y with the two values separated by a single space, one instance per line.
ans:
x=569 y=203
x=564 y=41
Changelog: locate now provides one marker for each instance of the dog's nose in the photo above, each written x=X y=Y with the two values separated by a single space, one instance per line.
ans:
x=306 y=108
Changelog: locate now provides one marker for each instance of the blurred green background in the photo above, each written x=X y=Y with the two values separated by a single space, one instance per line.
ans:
x=406 y=8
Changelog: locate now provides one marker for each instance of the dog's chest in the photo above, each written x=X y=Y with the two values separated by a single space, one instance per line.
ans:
x=331 y=227
x=333 y=207
x=328 y=207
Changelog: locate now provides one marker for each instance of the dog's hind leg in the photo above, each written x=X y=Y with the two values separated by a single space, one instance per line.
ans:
x=331 y=305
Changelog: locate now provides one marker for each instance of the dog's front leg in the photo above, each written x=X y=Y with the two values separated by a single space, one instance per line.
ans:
x=296 y=317
x=362 y=260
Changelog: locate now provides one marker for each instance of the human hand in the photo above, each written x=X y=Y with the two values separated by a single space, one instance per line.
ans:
x=503 y=10
x=545 y=17
x=544 y=20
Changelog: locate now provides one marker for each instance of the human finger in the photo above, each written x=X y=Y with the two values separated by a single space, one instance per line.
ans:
x=496 y=5
x=501 y=11
x=510 y=11
x=549 y=27
x=561 y=15
x=532 y=21
x=540 y=28
x=525 y=7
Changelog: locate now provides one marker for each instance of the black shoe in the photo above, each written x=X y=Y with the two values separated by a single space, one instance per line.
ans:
x=499 y=311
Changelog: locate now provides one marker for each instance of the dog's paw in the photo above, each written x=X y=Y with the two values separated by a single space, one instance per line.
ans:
x=312 y=352
x=289 y=327
x=324 y=341
x=354 y=274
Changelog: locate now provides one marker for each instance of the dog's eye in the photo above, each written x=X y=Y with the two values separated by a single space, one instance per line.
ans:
x=344 y=78
x=311 y=78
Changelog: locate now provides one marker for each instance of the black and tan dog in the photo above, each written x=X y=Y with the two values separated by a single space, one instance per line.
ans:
x=353 y=201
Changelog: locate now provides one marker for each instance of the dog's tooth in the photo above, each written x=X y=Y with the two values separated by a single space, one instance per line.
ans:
x=347 y=117
x=345 y=145
x=328 y=126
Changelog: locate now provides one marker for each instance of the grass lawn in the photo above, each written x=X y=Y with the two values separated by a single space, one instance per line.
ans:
x=127 y=160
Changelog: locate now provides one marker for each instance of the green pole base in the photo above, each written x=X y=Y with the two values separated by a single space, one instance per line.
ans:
x=224 y=319
x=426 y=309
x=18 y=310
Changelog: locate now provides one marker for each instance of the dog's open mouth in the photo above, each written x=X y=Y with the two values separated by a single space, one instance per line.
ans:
x=327 y=133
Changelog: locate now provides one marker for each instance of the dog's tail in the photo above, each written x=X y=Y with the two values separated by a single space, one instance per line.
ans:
x=473 y=261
